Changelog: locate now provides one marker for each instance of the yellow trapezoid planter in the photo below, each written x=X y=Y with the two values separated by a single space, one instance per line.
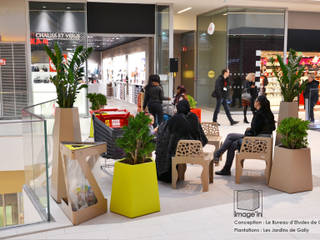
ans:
x=135 y=189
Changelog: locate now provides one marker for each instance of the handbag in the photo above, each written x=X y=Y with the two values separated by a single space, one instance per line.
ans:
x=214 y=94
x=245 y=95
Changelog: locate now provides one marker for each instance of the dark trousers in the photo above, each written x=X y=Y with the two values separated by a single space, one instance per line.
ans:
x=231 y=144
x=223 y=102
x=156 y=110
x=311 y=113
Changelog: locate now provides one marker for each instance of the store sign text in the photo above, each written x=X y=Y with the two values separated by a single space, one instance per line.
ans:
x=37 y=41
x=2 y=61
x=58 y=35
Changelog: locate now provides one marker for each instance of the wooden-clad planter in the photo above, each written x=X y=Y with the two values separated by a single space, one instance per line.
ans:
x=291 y=170
x=66 y=129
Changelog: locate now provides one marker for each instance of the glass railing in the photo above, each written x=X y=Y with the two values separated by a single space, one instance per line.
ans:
x=23 y=172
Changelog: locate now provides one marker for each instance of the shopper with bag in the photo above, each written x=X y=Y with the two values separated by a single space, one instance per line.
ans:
x=249 y=95
x=221 y=93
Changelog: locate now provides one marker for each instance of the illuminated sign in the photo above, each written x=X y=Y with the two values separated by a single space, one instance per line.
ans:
x=2 y=61
x=37 y=41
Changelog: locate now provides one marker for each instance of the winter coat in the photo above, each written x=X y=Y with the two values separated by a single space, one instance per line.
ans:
x=262 y=123
x=153 y=94
x=220 y=85
x=183 y=125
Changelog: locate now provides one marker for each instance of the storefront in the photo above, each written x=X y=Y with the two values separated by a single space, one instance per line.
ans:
x=232 y=38
x=124 y=54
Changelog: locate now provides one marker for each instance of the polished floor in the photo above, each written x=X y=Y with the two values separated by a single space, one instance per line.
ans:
x=187 y=213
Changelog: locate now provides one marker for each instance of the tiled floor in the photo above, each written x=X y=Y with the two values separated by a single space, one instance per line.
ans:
x=187 y=213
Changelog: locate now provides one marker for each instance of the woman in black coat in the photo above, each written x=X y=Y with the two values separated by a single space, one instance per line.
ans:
x=262 y=124
x=153 y=98
x=183 y=125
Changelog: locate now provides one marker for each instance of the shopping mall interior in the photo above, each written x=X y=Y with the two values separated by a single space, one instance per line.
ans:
x=60 y=174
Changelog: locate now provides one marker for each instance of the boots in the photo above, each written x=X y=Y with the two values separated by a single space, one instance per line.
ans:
x=245 y=119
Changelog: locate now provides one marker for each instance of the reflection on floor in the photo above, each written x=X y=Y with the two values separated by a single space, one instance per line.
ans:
x=188 y=213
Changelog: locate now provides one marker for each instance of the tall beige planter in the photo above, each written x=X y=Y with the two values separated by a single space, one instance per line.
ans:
x=66 y=129
x=291 y=170
x=287 y=109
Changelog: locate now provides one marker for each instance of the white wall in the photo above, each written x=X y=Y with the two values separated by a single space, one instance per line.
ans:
x=13 y=25
x=12 y=155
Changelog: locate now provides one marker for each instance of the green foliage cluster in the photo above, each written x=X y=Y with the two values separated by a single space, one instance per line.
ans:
x=192 y=102
x=294 y=133
x=137 y=140
x=289 y=76
x=97 y=100
x=70 y=73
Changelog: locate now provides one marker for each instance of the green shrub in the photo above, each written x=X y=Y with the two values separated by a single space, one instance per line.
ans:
x=137 y=140
x=289 y=76
x=70 y=73
x=97 y=100
x=293 y=133
x=192 y=102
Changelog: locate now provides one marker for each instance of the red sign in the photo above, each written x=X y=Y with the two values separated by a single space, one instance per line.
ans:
x=52 y=68
x=2 y=61
x=37 y=41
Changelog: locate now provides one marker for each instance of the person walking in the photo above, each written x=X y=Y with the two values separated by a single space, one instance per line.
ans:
x=221 y=93
x=311 y=96
x=249 y=95
x=153 y=98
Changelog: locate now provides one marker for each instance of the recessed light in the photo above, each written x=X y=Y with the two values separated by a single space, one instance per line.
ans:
x=184 y=10
x=44 y=7
x=225 y=14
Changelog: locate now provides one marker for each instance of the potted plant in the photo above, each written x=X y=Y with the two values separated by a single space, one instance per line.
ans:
x=193 y=106
x=135 y=186
x=291 y=170
x=97 y=100
x=68 y=82
x=289 y=79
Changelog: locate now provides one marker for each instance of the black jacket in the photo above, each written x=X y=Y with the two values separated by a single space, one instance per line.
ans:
x=252 y=91
x=262 y=123
x=153 y=94
x=181 y=126
x=314 y=94
x=221 y=83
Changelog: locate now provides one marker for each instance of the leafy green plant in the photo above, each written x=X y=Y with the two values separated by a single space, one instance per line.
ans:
x=97 y=100
x=293 y=133
x=70 y=73
x=192 y=102
x=137 y=140
x=289 y=76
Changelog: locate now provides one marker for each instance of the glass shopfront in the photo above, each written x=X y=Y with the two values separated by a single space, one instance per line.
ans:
x=234 y=38
x=50 y=23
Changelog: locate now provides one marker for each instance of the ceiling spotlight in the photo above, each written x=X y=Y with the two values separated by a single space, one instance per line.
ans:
x=184 y=10
x=117 y=38
x=225 y=14
x=44 y=7
x=68 y=7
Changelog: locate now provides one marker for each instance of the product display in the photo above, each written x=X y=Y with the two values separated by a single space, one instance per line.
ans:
x=310 y=60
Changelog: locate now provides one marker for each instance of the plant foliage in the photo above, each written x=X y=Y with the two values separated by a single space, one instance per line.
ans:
x=289 y=76
x=137 y=139
x=294 y=133
x=97 y=100
x=192 y=102
x=70 y=73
